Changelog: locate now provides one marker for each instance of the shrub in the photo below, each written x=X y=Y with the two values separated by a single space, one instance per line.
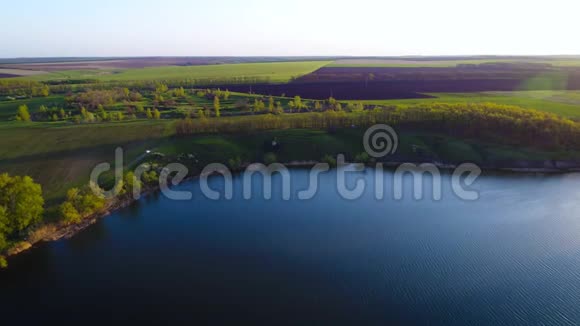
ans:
x=330 y=160
x=270 y=158
x=362 y=158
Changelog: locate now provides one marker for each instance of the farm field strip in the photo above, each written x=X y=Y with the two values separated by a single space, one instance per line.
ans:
x=370 y=63
x=275 y=71
x=21 y=72
x=557 y=103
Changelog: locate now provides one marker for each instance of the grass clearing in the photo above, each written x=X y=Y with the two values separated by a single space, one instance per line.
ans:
x=8 y=109
x=60 y=155
x=19 y=139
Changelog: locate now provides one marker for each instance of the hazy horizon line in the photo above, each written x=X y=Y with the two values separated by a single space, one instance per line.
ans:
x=295 y=56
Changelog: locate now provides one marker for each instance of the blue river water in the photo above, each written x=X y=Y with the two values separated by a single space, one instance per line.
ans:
x=510 y=257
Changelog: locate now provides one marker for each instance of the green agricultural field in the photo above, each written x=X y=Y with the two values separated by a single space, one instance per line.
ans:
x=565 y=103
x=565 y=97
x=274 y=71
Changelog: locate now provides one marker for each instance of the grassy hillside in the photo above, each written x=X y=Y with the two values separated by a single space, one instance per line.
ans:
x=62 y=157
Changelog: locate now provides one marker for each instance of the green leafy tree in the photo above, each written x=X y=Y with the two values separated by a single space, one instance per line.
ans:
x=362 y=158
x=45 y=91
x=279 y=108
x=161 y=88
x=150 y=177
x=259 y=105
x=200 y=114
x=216 y=106
x=80 y=204
x=330 y=160
x=179 y=92
x=291 y=105
x=298 y=103
x=102 y=114
x=69 y=214
x=317 y=106
x=22 y=202
x=271 y=104
x=270 y=158
x=130 y=182
x=23 y=114
x=332 y=102
x=235 y=163
x=156 y=114
x=4 y=227
x=149 y=114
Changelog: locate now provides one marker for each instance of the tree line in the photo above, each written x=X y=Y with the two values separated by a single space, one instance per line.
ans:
x=487 y=121
x=23 y=88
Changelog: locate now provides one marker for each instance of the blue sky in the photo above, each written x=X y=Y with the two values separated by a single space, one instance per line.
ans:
x=298 y=27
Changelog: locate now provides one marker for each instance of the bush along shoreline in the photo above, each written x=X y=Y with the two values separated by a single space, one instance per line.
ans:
x=24 y=221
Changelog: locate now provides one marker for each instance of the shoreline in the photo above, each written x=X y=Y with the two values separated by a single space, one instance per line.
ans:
x=68 y=231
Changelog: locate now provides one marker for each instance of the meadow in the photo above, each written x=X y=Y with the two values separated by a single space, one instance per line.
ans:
x=273 y=71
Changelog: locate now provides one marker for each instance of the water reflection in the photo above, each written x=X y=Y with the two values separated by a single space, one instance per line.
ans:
x=511 y=257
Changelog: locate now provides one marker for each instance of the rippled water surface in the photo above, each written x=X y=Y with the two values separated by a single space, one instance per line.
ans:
x=511 y=257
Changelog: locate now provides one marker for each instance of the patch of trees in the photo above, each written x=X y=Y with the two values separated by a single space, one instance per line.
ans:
x=51 y=114
x=92 y=99
x=499 y=123
x=102 y=115
x=80 y=204
x=212 y=93
x=22 y=114
x=21 y=206
x=23 y=88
